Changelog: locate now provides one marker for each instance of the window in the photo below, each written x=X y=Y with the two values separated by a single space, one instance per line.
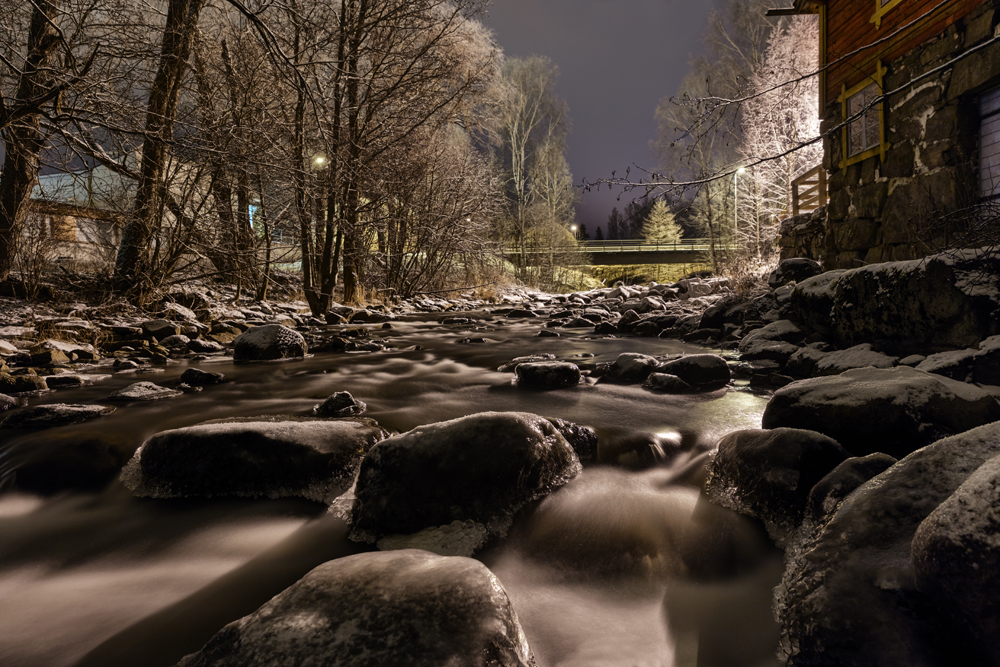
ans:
x=882 y=7
x=989 y=144
x=864 y=135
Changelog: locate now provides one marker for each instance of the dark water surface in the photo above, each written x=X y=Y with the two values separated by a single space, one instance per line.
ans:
x=625 y=566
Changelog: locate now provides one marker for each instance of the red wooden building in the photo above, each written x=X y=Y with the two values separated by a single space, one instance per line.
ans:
x=907 y=97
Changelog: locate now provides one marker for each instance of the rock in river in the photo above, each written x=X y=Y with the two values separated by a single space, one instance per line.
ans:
x=769 y=474
x=340 y=404
x=701 y=371
x=405 y=607
x=896 y=410
x=143 y=391
x=55 y=414
x=267 y=343
x=548 y=374
x=272 y=457
x=481 y=468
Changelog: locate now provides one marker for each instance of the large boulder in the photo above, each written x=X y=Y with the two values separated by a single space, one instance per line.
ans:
x=269 y=342
x=849 y=595
x=859 y=356
x=945 y=301
x=481 y=468
x=630 y=368
x=254 y=457
x=894 y=410
x=405 y=607
x=768 y=474
x=701 y=371
x=829 y=492
x=956 y=556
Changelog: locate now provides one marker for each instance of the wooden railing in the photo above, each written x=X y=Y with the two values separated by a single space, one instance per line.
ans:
x=809 y=191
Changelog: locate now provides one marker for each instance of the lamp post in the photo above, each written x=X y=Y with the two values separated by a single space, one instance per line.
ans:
x=572 y=228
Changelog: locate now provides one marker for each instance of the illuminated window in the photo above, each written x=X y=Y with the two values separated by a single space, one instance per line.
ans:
x=864 y=135
x=883 y=7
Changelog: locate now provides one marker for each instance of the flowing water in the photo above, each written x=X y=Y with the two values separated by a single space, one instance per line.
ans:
x=625 y=566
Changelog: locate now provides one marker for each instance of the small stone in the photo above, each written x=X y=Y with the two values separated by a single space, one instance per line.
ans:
x=143 y=391
x=55 y=414
x=548 y=374
x=199 y=378
x=340 y=404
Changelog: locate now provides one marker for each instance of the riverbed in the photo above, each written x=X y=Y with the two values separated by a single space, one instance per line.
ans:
x=625 y=566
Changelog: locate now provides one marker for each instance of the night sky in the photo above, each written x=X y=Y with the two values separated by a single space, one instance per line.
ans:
x=616 y=59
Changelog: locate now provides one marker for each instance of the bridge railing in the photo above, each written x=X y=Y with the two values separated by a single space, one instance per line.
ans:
x=628 y=245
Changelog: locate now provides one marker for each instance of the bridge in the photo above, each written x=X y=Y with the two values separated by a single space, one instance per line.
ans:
x=631 y=251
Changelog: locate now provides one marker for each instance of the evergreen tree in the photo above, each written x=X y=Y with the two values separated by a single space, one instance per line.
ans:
x=660 y=225
x=614 y=224
x=599 y=234
x=584 y=234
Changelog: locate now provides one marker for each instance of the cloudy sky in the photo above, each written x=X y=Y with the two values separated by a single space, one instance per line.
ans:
x=617 y=59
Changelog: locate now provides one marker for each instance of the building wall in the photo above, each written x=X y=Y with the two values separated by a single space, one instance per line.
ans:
x=896 y=205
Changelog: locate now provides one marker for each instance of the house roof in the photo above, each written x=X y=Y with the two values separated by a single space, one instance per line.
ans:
x=798 y=7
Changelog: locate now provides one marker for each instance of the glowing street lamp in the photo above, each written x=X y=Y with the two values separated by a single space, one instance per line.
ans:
x=572 y=228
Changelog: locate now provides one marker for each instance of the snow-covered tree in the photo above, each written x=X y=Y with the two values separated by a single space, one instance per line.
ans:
x=661 y=225
x=780 y=117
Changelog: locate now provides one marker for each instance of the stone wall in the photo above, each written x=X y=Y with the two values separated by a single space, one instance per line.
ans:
x=901 y=207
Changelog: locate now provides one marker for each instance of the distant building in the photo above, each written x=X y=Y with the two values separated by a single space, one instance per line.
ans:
x=900 y=166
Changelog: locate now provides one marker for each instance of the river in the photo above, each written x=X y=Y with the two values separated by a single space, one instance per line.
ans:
x=626 y=566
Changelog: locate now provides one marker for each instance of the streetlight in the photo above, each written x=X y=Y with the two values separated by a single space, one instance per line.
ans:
x=736 y=199
x=572 y=228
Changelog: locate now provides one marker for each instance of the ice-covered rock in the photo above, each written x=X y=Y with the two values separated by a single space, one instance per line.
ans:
x=956 y=556
x=701 y=371
x=482 y=468
x=894 y=410
x=813 y=300
x=254 y=457
x=516 y=361
x=768 y=474
x=18 y=384
x=548 y=374
x=631 y=368
x=267 y=343
x=7 y=402
x=204 y=346
x=54 y=414
x=160 y=329
x=859 y=356
x=340 y=404
x=849 y=595
x=802 y=363
x=143 y=391
x=583 y=439
x=405 y=607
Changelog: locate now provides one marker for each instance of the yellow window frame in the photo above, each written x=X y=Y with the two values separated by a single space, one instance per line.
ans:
x=846 y=94
x=881 y=10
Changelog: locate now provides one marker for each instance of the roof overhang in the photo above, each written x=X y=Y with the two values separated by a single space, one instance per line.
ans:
x=798 y=7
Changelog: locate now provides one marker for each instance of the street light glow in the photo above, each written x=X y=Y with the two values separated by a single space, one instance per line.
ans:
x=320 y=160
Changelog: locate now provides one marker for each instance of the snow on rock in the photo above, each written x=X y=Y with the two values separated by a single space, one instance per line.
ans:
x=548 y=374
x=932 y=302
x=630 y=368
x=268 y=342
x=955 y=364
x=858 y=565
x=253 y=457
x=859 y=356
x=177 y=312
x=894 y=410
x=515 y=362
x=7 y=402
x=666 y=383
x=482 y=468
x=701 y=371
x=405 y=607
x=340 y=404
x=956 y=555
x=768 y=474
x=54 y=414
x=143 y=391
x=6 y=349
x=803 y=362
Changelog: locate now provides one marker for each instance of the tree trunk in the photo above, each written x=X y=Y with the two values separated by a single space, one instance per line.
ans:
x=133 y=265
x=23 y=138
